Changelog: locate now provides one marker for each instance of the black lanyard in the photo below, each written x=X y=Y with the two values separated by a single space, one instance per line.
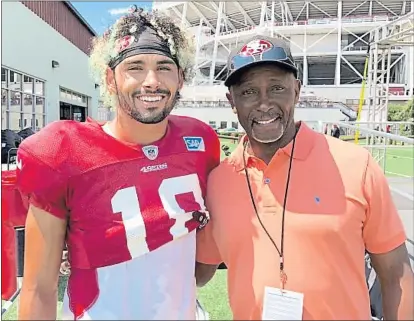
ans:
x=283 y=277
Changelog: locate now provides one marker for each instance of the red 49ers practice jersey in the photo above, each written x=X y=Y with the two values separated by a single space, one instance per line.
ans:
x=131 y=236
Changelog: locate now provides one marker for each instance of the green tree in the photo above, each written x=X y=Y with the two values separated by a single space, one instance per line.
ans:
x=410 y=115
x=402 y=113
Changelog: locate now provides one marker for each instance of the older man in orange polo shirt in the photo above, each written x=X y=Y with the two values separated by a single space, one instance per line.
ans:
x=293 y=211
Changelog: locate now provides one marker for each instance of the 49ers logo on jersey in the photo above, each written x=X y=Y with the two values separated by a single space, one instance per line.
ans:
x=255 y=47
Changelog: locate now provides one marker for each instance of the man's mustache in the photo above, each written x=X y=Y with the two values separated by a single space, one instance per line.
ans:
x=265 y=115
x=158 y=91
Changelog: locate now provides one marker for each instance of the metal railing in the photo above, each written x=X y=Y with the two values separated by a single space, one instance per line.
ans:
x=403 y=128
x=303 y=103
x=311 y=22
x=393 y=152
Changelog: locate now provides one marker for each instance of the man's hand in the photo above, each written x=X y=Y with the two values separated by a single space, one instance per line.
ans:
x=65 y=265
x=397 y=283
x=201 y=217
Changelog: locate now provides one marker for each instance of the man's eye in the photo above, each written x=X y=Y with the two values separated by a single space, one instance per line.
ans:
x=248 y=92
x=135 y=68
x=165 y=68
x=277 y=88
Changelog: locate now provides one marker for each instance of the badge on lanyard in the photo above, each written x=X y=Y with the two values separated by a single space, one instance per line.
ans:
x=281 y=304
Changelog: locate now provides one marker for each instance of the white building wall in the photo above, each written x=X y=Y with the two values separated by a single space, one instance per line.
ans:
x=218 y=92
x=408 y=68
x=311 y=115
x=314 y=43
x=29 y=45
x=204 y=92
x=335 y=93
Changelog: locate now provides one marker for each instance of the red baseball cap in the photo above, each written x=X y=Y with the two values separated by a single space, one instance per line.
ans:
x=257 y=50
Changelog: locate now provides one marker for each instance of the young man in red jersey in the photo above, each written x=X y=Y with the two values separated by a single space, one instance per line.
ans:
x=126 y=196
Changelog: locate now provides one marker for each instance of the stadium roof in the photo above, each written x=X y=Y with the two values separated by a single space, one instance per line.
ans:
x=241 y=14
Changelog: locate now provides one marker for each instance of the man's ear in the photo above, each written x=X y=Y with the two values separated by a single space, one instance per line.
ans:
x=180 y=79
x=230 y=99
x=297 y=90
x=110 y=80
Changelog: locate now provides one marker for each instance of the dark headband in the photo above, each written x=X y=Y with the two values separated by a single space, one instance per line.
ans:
x=145 y=42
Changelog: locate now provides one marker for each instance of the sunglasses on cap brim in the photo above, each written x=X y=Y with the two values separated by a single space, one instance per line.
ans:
x=273 y=54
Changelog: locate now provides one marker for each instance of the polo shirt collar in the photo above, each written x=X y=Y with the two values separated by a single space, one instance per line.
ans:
x=305 y=140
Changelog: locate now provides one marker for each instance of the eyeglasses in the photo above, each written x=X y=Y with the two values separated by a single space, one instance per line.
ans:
x=273 y=54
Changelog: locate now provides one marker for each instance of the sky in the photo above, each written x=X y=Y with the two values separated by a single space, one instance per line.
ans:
x=100 y=15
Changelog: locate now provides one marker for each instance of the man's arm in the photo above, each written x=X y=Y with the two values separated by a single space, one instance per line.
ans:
x=43 y=190
x=208 y=257
x=397 y=283
x=206 y=246
x=204 y=273
x=207 y=252
x=44 y=240
x=385 y=238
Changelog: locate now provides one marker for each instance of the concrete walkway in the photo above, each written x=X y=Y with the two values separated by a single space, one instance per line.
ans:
x=402 y=190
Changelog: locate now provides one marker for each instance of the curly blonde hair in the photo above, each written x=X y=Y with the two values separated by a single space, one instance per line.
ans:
x=104 y=47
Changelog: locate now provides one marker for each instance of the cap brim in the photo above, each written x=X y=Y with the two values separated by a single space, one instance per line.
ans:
x=231 y=79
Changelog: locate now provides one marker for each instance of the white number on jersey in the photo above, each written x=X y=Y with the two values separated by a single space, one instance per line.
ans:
x=126 y=202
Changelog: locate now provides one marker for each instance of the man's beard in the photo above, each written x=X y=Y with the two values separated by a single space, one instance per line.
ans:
x=151 y=115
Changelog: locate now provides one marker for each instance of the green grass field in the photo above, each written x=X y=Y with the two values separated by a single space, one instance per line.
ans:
x=213 y=297
x=399 y=161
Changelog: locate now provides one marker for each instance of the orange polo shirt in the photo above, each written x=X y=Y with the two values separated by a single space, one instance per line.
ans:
x=338 y=205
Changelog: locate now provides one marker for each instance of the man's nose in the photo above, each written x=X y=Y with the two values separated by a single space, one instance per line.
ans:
x=264 y=102
x=151 y=81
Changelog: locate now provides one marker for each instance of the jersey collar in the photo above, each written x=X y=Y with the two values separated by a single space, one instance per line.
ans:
x=160 y=143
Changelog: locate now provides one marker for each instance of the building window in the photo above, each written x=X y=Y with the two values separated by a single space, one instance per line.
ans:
x=223 y=125
x=212 y=123
x=73 y=105
x=235 y=125
x=22 y=101
x=3 y=76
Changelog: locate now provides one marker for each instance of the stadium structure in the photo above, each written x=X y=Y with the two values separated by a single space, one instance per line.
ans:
x=331 y=42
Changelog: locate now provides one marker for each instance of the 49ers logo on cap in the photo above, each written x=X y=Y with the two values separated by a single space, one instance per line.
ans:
x=255 y=47
x=124 y=43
